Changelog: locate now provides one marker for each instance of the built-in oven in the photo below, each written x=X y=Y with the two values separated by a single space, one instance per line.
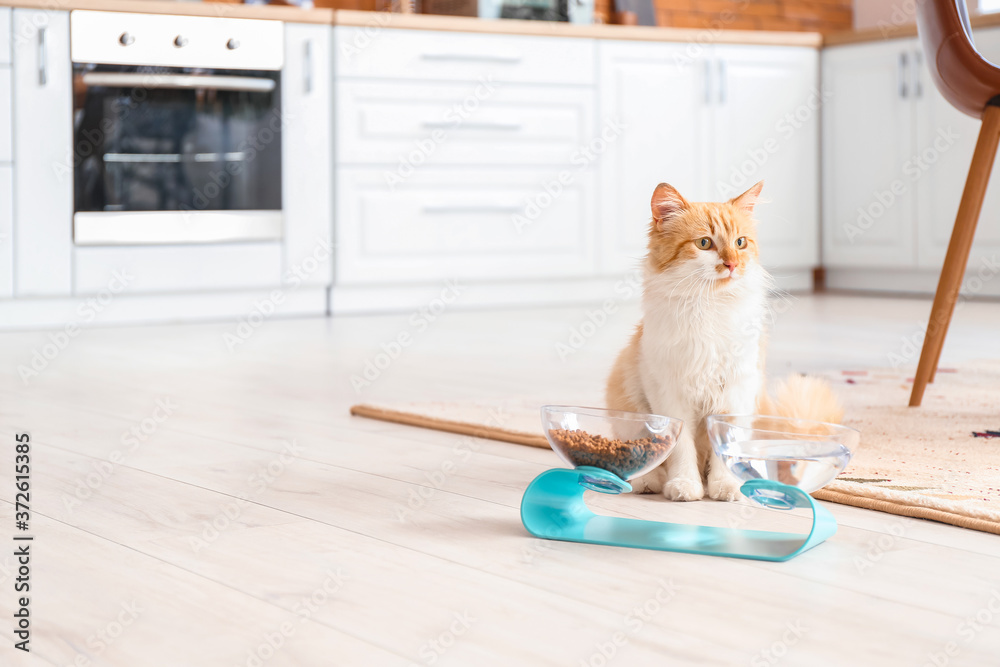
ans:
x=177 y=129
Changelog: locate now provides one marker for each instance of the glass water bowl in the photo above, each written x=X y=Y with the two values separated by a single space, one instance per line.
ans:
x=628 y=444
x=797 y=452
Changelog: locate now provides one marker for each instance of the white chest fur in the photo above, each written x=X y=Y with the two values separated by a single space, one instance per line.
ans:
x=700 y=351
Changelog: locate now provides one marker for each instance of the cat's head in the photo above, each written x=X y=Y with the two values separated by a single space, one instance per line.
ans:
x=710 y=246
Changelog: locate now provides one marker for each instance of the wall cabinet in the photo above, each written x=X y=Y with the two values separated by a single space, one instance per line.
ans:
x=43 y=177
x=712 y=121
x=895 y=159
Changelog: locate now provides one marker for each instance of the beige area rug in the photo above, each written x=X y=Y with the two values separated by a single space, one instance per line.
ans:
x=940 y=461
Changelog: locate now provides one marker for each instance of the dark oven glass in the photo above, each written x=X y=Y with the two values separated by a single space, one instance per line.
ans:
x=173 y=139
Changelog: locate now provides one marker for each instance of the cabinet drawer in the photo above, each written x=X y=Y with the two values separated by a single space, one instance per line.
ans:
x=177 y=268
x=5 y=127
x=449 y=224
x=5 y=34
x=419 y=54
x=409 y=125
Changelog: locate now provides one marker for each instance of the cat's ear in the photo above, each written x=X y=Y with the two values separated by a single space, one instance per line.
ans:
x=748 y=199
x=666 y=203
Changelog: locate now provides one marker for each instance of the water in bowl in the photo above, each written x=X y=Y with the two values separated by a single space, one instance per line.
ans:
x=807 y=464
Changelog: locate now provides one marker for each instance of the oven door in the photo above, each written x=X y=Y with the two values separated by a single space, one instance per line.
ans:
x=175 y=155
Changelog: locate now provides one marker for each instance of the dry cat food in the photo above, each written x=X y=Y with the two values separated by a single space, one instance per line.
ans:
x=622 y=457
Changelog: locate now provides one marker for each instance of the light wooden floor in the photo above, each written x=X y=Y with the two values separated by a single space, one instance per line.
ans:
x=350 y=542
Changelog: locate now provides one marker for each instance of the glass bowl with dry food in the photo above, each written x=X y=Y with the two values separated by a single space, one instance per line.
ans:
x=626 y=444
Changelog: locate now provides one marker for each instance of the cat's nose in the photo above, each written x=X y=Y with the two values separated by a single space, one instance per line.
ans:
x=731 y=266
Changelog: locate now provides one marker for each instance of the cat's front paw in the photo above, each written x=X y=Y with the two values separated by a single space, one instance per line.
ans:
x=651 y=482
x=726 y=489
x=684 y=489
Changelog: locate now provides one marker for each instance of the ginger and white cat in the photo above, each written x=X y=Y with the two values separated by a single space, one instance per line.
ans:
x=699 y=349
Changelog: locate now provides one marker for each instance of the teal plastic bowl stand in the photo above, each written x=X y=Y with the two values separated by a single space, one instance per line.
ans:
x=553 y=508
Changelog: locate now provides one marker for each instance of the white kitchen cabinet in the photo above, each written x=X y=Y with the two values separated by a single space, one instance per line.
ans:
x=766 y=126
x=658 y=96
x=6 y=232
x=945 y=141
x=464 y=225
x=711 y=121
x=307 y=153
x=868 y=134
x=895 y=158
x=176 y=268
x=43 y=179
x=5 y=34
x=412 y=124
x=379 y=52
x=6 y=143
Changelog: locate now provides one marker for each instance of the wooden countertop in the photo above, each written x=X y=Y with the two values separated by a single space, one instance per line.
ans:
x=430 y=22
x=897 y=31
x=558 y=29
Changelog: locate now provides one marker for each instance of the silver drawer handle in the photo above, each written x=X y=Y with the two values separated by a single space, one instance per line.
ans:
x=185 y=81
x=43 y=75
x=433 y=125
x=472 y=209
x=902 y=68
x=483 y=58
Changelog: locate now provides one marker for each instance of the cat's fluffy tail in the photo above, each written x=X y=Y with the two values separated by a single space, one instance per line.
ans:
x=804 y=397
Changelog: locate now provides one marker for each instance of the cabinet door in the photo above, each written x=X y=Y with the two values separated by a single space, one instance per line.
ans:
x=307 y=153
x=43 y=175
x=868 y=129
x=464 y=224
x=653 y=103
x=945 y=142
x=767 y=128
x=6 y=233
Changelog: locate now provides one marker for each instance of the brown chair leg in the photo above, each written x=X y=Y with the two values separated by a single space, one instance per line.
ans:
x=958 y=251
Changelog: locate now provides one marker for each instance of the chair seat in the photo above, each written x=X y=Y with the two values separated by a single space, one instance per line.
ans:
x=965 y=78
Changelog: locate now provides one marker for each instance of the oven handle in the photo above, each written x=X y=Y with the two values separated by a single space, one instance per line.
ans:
x=179 y=81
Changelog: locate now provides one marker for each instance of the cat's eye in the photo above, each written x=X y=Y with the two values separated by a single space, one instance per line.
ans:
x=741 y=242
x=705 y=243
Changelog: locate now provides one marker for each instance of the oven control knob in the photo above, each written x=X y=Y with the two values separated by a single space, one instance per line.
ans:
x=180 y=41
x=125 y=39
x=233 y=44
